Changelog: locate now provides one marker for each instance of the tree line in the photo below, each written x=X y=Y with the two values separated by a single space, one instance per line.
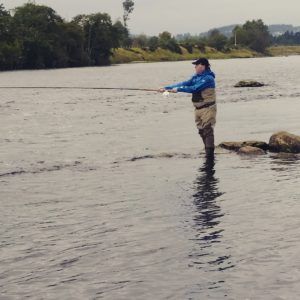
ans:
x=35 y=36
x=288 y=38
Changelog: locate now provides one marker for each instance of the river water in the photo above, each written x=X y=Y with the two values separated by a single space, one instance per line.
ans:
x=107 y=194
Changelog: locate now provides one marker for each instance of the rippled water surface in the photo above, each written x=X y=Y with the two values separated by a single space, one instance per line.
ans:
x=107 y=195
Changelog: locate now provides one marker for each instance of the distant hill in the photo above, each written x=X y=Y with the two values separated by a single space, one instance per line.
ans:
x=226 y=30
x=276 y=29
x=279 y=29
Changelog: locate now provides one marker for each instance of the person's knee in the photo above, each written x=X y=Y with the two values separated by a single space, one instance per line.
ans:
x=206 y=131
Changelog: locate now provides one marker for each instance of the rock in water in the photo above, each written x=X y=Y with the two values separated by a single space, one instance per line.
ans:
x=248 y=150
x=235 y=146
x=249 y=83
x=284 y=142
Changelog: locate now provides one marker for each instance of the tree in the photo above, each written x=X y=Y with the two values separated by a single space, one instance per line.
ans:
x=288 y=38
x=217 y=40
x=37 y=37
x=166 y=41
x=72 y=43
x=189 y=42
x=99 y=37
x=253 y=34
x=121 y=35
x=10 y=49
x=128 y=6
x=3 y=11
x=153 y=43
x=38 y=29
x=5 y=25
x=239 y=36
x=140 y=41
x=258 y=35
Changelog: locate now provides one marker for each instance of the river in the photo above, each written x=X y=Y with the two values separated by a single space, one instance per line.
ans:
x=106 y=194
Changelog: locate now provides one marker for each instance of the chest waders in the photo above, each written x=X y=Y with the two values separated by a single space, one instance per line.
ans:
x=205 y=117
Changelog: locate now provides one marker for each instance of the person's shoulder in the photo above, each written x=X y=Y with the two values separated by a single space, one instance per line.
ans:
x=206 y=77
x=210 y=77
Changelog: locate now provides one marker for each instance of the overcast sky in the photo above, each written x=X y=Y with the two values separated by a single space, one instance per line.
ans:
x=180 y=16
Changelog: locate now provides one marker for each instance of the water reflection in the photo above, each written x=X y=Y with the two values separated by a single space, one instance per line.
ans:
x=286 y=164
x=206 y=253
x=285 y=159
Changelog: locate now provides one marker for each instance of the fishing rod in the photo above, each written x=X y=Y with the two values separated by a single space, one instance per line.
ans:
x=80 y=88
x=165 y=93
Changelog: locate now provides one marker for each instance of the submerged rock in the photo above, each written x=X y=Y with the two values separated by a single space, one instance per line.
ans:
x=249 y=150
x=284 y=142
x=236 y=146
x=249 y=83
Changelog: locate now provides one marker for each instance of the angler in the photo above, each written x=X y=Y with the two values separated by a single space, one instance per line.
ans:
x=202 y=87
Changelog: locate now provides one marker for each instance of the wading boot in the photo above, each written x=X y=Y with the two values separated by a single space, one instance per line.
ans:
x=210 y=153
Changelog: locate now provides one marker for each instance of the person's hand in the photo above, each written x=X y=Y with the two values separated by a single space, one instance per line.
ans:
x=161 y=90
x=173 y=90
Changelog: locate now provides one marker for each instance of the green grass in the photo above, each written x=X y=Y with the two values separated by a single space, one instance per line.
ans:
x=284 y=50
x=121 y=55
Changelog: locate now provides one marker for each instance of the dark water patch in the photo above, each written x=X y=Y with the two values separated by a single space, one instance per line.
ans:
x=12 y=173
x=67 y=280
x=86 y=246
x=93 y=133
x=286 y=165
x=28 y=256
x=164 y=155
x=67 y=262
x=57 y=167
x=285 y=158
x=173 y=155
x=45 y=203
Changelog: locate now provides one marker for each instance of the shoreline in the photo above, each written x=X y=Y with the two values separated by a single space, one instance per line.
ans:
x=138 y=55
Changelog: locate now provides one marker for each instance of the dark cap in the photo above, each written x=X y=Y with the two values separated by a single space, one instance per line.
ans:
x=202 y=61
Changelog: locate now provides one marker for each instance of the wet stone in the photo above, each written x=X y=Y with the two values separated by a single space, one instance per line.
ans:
x=249 y=83
x=235 y=146
x=285 y=142
x=248 y=150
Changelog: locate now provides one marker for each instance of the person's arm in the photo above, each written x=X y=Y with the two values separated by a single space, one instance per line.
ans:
x=201 y=84
x=176 y=85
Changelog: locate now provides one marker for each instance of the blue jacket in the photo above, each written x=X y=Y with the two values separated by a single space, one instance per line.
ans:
x=197 y=83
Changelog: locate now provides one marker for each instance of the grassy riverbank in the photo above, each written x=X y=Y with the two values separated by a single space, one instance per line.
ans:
x=121 y=55
x=284 y=50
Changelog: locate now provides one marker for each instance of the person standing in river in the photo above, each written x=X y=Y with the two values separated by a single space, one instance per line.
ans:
x=202 y=87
